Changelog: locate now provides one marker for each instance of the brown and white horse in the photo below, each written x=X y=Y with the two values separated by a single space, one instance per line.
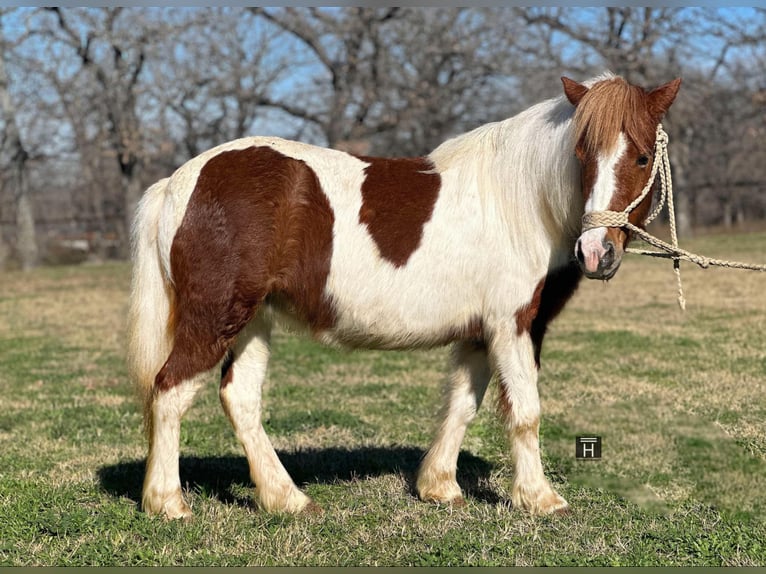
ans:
x=477 y=244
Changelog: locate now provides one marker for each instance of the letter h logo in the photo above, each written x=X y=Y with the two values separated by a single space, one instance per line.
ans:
x=588 y=447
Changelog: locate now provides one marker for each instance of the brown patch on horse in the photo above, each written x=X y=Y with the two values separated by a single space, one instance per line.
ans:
x=504 y=402
x=559 y=287
x=588 y=174
x=551 y=294
x=257 y=226
x=227 y=369
x=398 y=197
x=526 y=314
x=526 y=429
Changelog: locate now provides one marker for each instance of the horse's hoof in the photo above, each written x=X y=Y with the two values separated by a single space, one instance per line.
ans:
x=439 y=488
x=170 y=507
x=546 y=501
x=288 y=501
x=455 y=501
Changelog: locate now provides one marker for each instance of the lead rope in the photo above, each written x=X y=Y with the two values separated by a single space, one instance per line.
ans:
x=667 y=250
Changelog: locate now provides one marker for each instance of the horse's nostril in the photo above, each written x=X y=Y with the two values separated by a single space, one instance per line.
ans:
x=579 y=254
x=607 y=260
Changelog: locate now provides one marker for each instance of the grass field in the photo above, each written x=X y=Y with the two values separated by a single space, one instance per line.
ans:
x=679 y=399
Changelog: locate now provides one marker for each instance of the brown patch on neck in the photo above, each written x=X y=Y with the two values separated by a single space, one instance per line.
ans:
x=398 y=198
x=551 y=294
x=526 y=314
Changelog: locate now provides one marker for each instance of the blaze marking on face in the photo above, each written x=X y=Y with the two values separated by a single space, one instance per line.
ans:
x=591 y=242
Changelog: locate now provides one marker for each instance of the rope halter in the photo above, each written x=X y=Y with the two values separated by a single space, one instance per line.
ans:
x=667 y=250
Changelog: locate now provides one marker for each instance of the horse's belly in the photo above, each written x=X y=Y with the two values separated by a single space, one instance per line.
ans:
x=402 y=314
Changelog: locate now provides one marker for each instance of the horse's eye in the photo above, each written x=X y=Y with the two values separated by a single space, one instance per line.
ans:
x=643 y=161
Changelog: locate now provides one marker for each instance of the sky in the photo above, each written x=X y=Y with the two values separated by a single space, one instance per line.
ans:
x=434 y=3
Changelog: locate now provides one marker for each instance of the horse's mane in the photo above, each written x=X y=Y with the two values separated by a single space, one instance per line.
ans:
x=611 y=106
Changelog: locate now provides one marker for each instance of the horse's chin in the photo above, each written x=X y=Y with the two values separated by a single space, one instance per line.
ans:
x=602 y=274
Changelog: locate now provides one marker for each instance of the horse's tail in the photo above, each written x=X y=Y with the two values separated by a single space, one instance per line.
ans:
x=150 y=321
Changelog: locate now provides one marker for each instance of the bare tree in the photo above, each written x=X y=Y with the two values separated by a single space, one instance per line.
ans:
x=111 y=45
x=396 y=79
x=203 y=105
x=626 y=40
x=720 y=120
x=26 y=240
x=446 y=72
x=346 y=46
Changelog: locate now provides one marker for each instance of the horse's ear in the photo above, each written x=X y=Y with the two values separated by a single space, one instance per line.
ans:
x=573 y=90
x=661 y=98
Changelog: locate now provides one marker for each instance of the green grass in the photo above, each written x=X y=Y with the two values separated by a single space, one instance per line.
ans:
x=679 y=399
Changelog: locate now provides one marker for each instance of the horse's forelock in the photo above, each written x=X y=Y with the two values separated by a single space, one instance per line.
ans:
x=611 y=107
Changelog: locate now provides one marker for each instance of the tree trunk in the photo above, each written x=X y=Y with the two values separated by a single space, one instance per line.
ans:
x=132 y=192
x=683 y=205
x=26 y=241
x=4 y=249
x=26 y=236
x=683 y=212
x=741 y=218
x=728 y=218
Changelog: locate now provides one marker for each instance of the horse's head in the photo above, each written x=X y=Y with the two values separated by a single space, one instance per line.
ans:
x=615 y=125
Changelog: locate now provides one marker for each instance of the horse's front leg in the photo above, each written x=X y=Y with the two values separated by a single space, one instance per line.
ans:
x=463 y=395
x=513 y=356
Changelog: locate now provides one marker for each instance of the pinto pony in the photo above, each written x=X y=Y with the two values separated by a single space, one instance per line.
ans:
x=477 y=244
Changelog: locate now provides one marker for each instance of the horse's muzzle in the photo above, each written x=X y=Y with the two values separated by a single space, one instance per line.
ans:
x=598 y=258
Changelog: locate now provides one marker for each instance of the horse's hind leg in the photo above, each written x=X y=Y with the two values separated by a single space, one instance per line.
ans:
x=241 y=384
x=466 y=386
x=194 y=353
x=162 y=483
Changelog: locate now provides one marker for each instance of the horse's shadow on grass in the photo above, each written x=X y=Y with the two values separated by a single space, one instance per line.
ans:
x=217 y=476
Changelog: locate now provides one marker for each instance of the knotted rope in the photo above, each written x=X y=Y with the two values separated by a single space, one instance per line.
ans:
x=668 y=250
